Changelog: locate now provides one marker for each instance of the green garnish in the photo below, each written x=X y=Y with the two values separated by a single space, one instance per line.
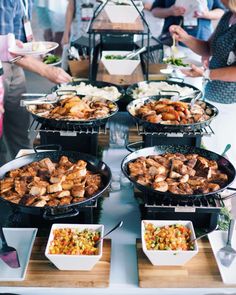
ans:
x=114 y=56
x=50 y=59
x=175 y=61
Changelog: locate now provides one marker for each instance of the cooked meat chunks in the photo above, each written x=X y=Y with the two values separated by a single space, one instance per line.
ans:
x=46 y=183
x=178 y=173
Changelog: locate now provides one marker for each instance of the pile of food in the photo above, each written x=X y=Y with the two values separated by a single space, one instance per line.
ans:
x=155 y=88
x=107 y=92
x=74 y=108
x=51 y=59
x=45 y=183
x=183 y=174
x=74 y=242
x=175 y=61
x=165 y=111
x=169 y=237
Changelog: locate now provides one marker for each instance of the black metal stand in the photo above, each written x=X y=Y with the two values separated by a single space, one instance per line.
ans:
x=94 y=51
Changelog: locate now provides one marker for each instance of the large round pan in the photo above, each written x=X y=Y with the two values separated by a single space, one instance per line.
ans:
x=224 y=165
x=94 y=165
x=137 y=103
x=73 y=124
x=131 y=88
x=99 y=84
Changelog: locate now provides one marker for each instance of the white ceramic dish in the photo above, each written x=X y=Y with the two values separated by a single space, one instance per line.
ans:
x=119 y=66
x=75 y=262
x=22 y=239
x=218 y=240
x=168 y=257
x=34 y=48
x=123 y=13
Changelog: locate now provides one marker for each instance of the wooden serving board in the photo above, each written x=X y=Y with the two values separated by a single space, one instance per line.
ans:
x=103 y=24
x=122 y=80
x=200 y=272
x=42 y=273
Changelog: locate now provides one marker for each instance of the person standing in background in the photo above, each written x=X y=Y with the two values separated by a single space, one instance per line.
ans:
x=13 y=17
x=173 y=15
x=44 y=19
x=76 y=22
x=57 y=12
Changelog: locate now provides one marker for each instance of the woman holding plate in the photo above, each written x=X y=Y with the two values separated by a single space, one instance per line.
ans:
x=220 y=77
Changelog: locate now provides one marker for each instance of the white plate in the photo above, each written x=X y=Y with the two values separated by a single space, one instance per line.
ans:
x=22 y=239
x=218 y=240
x=34 y=48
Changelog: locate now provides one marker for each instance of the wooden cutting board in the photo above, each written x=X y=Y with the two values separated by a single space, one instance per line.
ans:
x=42 y=273
x=200 y=272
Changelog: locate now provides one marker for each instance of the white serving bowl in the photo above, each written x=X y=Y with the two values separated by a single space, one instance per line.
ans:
x=75 y=262
x=169 y=257
x=119 y=66
x=123 y=13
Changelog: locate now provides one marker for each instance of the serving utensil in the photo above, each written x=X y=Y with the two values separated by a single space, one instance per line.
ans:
x=227 y=253
x=174 y=49
x=119 y=224
x=135 y=53
x=8 y=254
x=194 y=99
x=227 y=147
x=203 y=235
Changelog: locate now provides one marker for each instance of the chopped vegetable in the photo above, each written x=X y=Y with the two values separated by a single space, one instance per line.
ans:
x=175 y=61
x=50 y=59
x=169 y=237
x=74 y=242
x=114 y=56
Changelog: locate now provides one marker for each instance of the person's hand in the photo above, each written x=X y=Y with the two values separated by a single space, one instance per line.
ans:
x=179 y=34
x=177 y=10
x=201 y=14
x=193 y=72
x=205 y=61
x=57 y=75
x=65 y=39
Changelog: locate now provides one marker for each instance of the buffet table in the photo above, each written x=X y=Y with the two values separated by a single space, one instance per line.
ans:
x=200 y=277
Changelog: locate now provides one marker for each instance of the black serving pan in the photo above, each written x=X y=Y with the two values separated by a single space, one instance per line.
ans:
x=99 y=84
x=51 y=213
x=129 y=90
x=224 y=165
x=136 y=103
x=60 y=124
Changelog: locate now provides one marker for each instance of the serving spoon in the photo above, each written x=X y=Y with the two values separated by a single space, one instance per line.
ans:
x=227 y=253
x=110 y=231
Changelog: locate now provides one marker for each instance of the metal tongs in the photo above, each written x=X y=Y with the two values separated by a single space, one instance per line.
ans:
x=133 y=54
x=196 y=94
x=44 y=98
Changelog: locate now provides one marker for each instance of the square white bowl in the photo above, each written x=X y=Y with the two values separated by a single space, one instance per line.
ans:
x=169 y=257
x=75 y=262
x=123 y=13
x=119 y=66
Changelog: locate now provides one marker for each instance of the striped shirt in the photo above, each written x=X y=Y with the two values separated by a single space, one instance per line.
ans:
x=11 y=17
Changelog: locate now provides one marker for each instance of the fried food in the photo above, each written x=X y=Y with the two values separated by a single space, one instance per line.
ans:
x=178 y=173
x=165 y=111
x=46 y=183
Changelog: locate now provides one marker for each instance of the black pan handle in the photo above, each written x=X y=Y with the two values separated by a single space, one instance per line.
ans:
x=176 y=78
x=131 y=146
x=229 y=197
x=56 y=147
x=47 y=215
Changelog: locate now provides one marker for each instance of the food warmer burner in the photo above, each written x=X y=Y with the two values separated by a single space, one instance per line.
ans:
x=75 y=138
